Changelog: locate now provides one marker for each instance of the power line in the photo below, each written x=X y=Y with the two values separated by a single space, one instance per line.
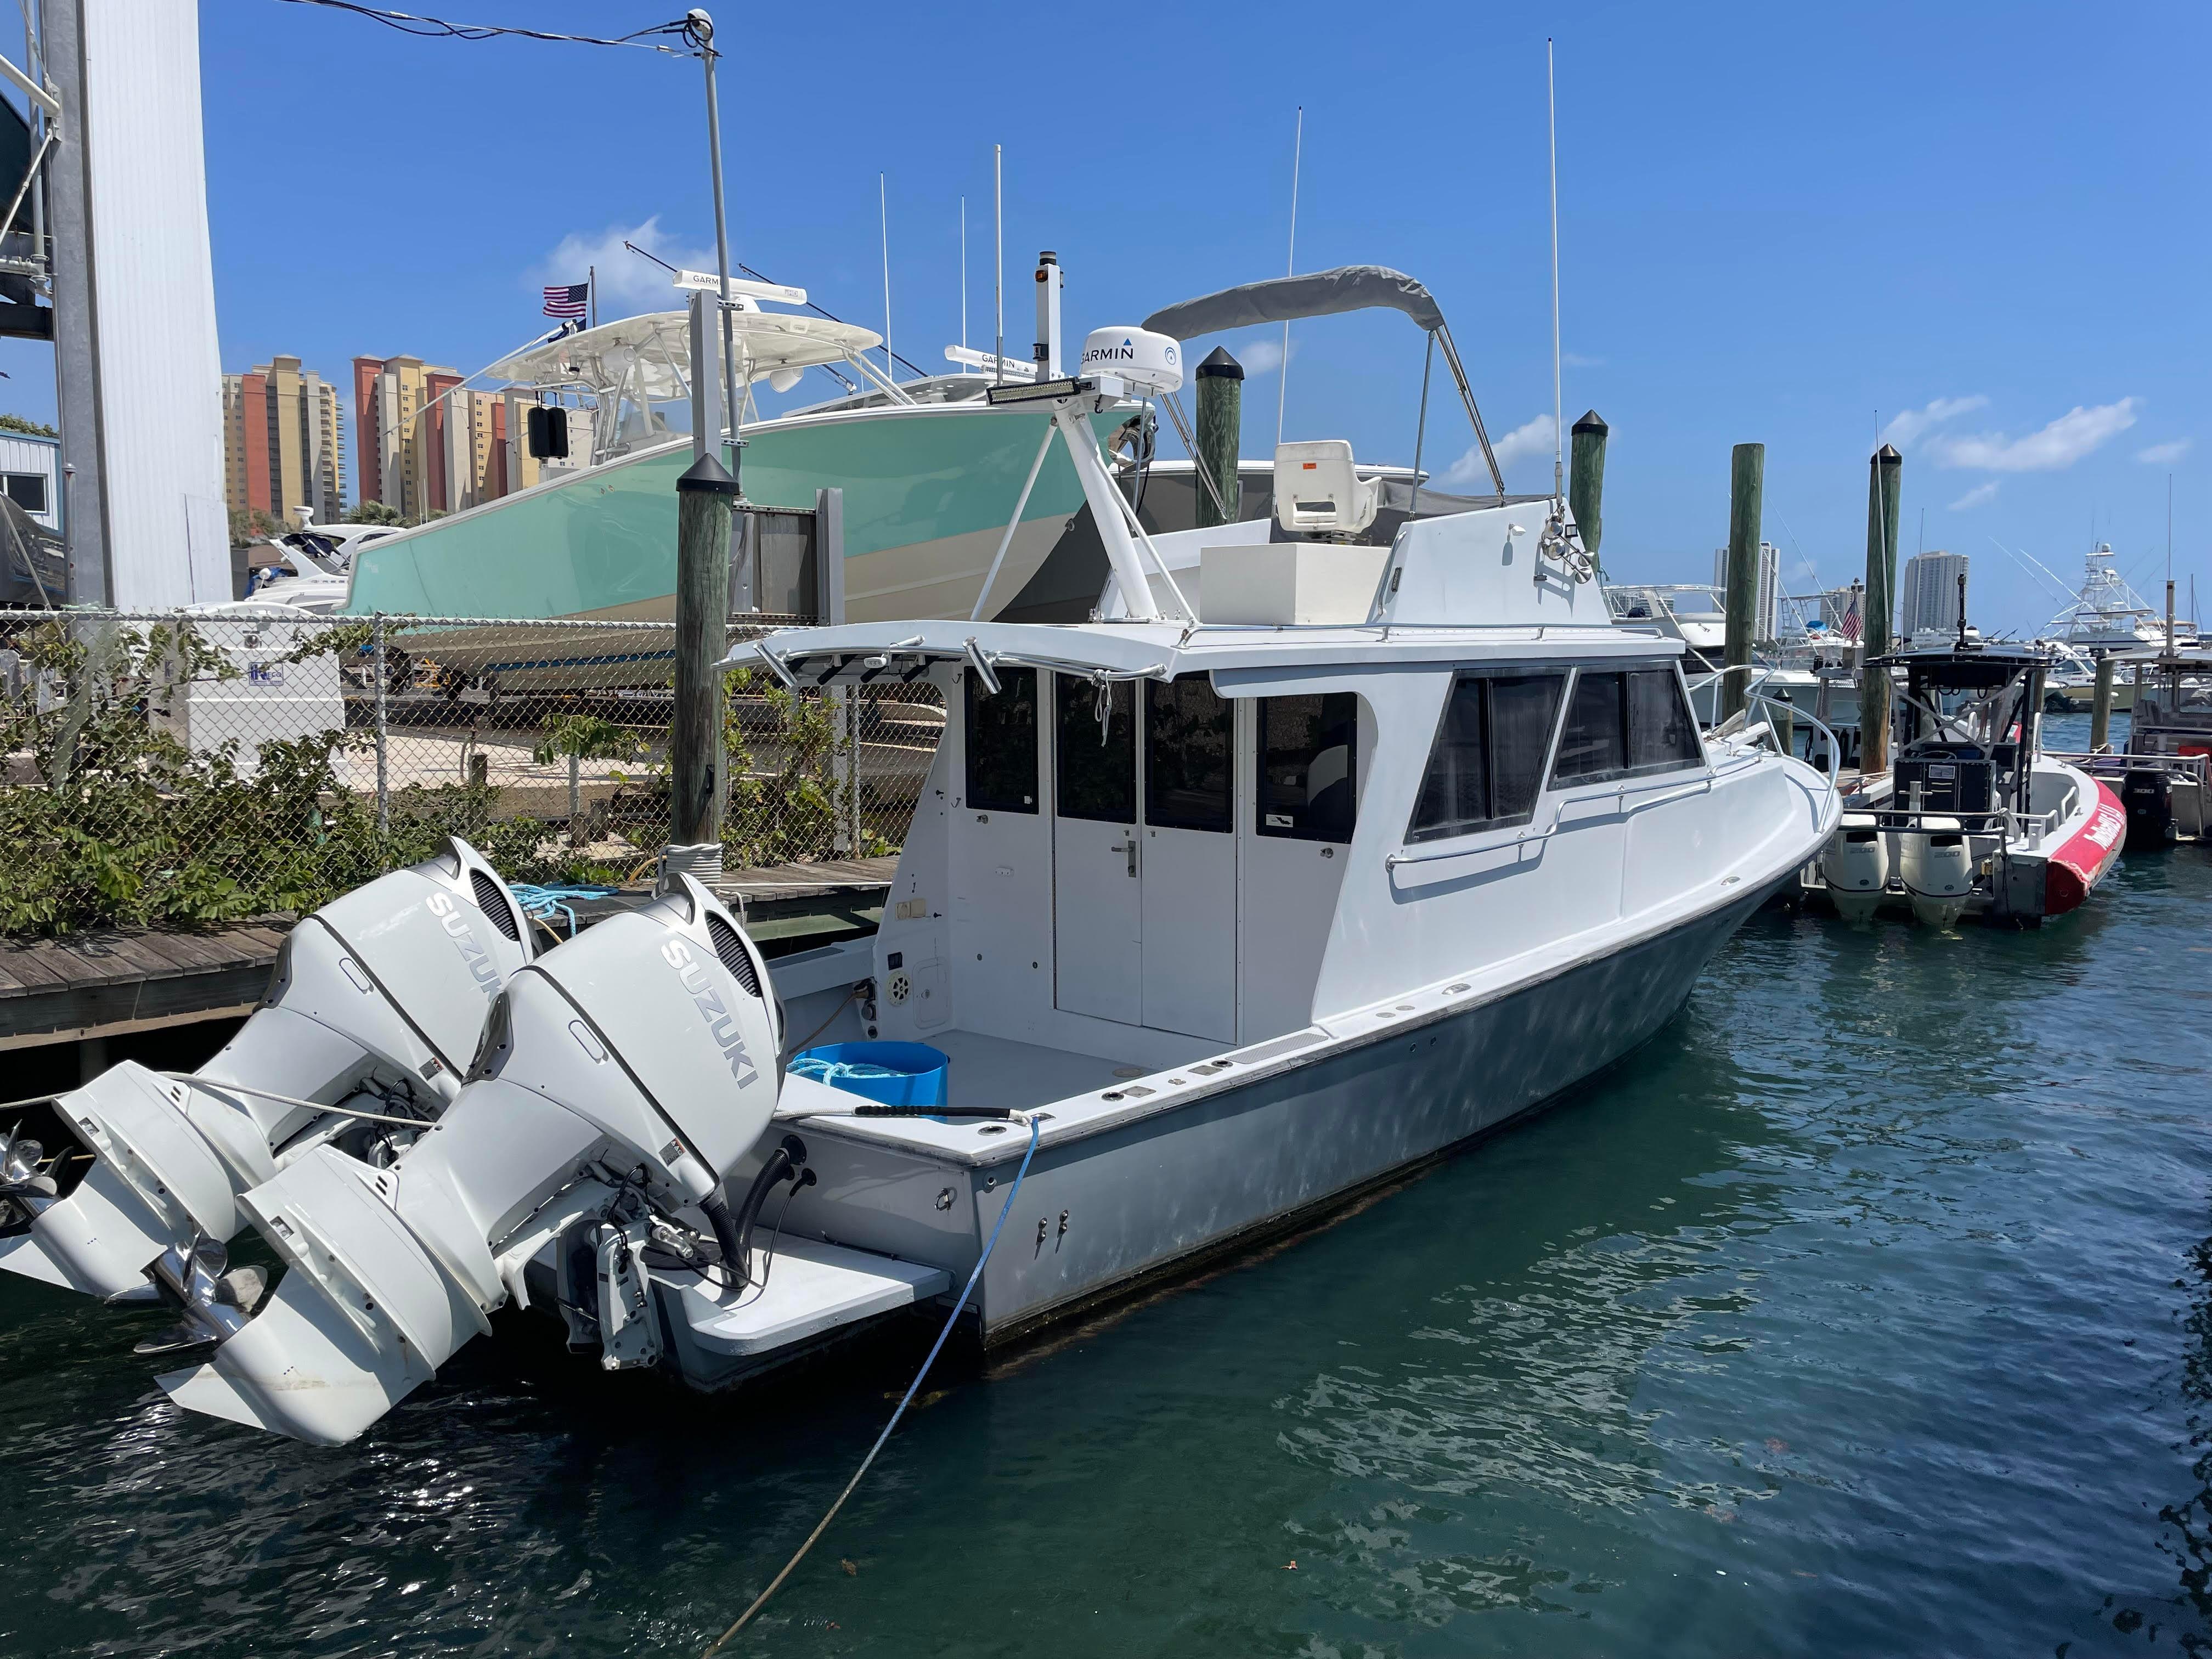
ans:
x=437 y=28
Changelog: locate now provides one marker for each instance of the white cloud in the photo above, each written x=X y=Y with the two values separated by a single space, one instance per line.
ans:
x=626 y=282
x=2165 y=454
x=1531 y=438
x=1906 y=428
x=2058 y=445
x=1979 y=496
x=1575 y=360
x=1264 y=357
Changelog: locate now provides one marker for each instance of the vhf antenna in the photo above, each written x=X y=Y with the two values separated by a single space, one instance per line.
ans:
x=1559 y=407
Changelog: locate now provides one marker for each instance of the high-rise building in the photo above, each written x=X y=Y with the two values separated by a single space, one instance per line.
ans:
x=1767 y=611
x=283 y=432
x=1929 y=593
x=425 y=443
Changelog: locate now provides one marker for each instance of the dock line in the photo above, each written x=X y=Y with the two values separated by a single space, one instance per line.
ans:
x=822 y=1526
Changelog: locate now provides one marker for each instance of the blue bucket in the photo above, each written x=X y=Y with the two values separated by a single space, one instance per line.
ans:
x=896 y=1073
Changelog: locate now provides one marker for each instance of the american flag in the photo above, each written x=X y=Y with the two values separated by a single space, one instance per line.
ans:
x=1847 y=624
x=568 y=299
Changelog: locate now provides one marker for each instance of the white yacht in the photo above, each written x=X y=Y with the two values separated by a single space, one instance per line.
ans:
x=1301 y=864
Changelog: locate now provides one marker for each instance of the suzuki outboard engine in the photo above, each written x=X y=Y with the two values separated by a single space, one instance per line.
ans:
x=376 y=1003
x=620 y=1077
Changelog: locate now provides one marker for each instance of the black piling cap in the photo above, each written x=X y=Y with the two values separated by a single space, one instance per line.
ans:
x=707 y=477
x=1220 y=366
x=1591 y=422
x=1887 y=456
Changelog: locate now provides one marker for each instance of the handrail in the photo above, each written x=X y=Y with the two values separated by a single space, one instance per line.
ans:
x=1699 y=783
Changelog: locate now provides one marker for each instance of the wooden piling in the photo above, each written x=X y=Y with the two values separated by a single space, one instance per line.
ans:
x=1747 y=486
x=1885 y=475
x=703 y=496
x=1586 y=483
x=1220 y=435
x=2100 y=707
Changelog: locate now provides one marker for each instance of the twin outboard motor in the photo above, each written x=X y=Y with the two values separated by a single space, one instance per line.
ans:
x=619 y=1078
x=363 y=1040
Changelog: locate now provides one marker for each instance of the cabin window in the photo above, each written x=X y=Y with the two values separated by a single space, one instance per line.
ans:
x=26 y=489
x=1627 y=725
x=1097 y=758
x=1188 y=774
x=1002 y=743
x=1307 y=782
x=1487 y=764
x=1595 y=745
x=1662 y=732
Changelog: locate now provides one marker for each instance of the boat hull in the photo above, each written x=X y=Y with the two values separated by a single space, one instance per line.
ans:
x=928 y=491
x=1153 y=1197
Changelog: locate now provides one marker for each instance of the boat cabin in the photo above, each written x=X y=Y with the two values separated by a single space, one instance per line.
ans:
x=1964 y=733
x=1143 y=843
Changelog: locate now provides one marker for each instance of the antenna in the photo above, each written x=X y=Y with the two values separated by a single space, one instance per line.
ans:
x=884 y=207
x=1559 y=408
x=999 y=259
x=963 y=273
x=1922 y=547
x=1290 y=269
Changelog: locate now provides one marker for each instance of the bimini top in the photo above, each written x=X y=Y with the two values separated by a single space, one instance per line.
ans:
x=1286 y=299
x=657 y=347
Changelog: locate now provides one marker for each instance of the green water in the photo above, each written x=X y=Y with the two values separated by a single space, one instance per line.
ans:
x=1866 y=1310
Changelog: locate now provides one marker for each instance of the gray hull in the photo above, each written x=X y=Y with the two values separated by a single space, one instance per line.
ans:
x=1148 y=1199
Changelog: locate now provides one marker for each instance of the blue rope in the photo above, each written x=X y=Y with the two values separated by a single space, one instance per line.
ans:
x=540 y=903
x=967 y=1290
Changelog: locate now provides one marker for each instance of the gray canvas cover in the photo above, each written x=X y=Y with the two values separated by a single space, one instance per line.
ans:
x=1286 y=299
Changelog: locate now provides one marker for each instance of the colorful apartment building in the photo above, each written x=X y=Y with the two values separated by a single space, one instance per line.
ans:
x=425 y=444
x=283 y=431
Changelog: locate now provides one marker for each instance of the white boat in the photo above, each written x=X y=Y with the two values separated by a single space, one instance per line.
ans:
x=1976 y=818
x=1222 y=908
x=1813 y=675
x=2107 y=615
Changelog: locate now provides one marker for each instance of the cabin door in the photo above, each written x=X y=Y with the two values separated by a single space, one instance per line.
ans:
x=1187 y=863
x=1097 y=893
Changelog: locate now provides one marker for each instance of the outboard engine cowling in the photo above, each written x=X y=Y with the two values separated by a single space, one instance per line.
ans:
x=620 y=1077
x=376 y=1003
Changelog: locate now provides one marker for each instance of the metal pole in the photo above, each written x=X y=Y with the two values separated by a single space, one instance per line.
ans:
x=383 y=729
x=702 y=33
x=1421 y=424
x=1290 y=269
x=1746 y=480
x=883 y=217
x=76 y=358
x=999 y=259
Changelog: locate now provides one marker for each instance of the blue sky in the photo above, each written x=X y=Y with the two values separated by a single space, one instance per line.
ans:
x=1774 y=223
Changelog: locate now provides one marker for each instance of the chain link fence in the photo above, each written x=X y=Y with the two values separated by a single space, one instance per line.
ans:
x=192 y=768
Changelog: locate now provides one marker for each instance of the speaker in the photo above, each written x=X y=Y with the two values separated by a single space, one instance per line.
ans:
x=548 y=432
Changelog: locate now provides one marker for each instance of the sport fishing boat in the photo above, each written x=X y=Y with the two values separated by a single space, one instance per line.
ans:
x=930 y=472
x=1973 y=818
x=1288 y=874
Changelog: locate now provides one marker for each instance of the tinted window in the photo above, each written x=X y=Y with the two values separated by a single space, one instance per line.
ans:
x=1186 y=756
x=1596 y=742
x=28 y=490
x=1487 y=766
x=1002 y=743
x=1097 y=758
x=1662 y=732
x=1307 y=783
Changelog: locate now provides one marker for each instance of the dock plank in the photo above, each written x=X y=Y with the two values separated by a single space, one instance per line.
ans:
x=113 y=980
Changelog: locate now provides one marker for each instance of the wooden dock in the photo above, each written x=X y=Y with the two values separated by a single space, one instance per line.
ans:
x=112 y=981
x=89 y=985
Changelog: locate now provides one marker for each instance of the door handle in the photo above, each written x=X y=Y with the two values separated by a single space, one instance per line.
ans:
x=1128 y=846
